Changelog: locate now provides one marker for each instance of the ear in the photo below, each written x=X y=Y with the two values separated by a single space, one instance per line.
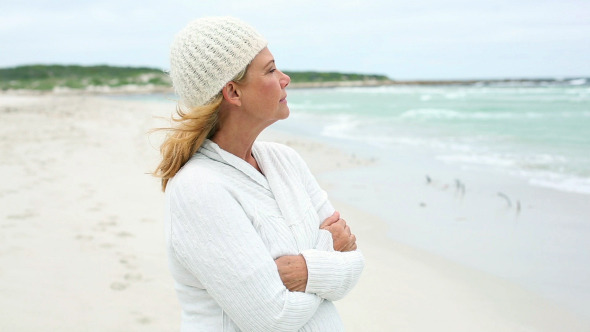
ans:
x=232 y=94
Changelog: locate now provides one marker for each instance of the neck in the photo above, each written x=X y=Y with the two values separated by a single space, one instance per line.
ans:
x=236 y=143
x=237 y=137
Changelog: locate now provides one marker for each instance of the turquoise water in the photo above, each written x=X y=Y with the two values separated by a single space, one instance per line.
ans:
x=538 y=133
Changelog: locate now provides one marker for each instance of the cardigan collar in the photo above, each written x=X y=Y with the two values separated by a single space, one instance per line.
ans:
x=211 y=150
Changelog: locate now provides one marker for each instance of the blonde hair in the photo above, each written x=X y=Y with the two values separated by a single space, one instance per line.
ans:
x=185 y=139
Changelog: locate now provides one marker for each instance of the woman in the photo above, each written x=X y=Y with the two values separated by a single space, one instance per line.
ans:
x=247 y=246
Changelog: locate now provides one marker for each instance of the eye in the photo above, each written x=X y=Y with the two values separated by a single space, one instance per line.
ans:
x=272 y=70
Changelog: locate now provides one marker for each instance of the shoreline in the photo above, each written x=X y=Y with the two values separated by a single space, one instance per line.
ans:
x=82 y=233
x=151 y=89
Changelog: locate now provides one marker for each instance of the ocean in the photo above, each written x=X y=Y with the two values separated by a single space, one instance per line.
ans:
x=530 y=136
x=539 y=133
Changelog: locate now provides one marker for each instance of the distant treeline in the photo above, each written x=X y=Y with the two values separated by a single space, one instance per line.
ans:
x=48 y=77
x=314 y=76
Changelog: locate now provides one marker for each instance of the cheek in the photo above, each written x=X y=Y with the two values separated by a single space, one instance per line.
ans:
x=271 y=87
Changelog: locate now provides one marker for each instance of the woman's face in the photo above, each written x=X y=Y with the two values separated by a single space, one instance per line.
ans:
x=263 y=89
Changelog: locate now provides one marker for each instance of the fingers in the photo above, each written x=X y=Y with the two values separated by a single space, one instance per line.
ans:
x=345 y=243
x=340 y=223
x=330 y=220
x=343 y=239
x=351 y=245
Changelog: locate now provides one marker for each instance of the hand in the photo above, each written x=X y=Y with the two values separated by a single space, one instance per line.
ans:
x=342 y=237
x=293 y=272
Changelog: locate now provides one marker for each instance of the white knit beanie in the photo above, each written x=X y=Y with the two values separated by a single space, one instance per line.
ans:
x=208 y=53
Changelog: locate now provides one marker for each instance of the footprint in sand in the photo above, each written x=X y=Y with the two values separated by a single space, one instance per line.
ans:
x=96 y=208
x=128 y=261
x=132 y=277
x=113 y=218
x=119 y=286
x=129 y=278
x=24 y=215
x=83 y=237
x=105 y=224
x=144 y=320
x=88 y=191
x=109 y=223
x=11 y=191
x=124 y=234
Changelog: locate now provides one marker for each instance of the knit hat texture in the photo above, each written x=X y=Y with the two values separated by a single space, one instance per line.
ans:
x=208 y=53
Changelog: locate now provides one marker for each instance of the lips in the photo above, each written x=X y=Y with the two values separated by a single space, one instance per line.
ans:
x=284 y=99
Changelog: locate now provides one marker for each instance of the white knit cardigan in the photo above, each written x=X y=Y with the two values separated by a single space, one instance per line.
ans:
x=226 y=223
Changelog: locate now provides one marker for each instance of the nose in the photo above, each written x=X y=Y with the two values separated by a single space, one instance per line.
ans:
x=285 y=80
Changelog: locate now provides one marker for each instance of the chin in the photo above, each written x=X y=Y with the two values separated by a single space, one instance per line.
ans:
x=286 y=114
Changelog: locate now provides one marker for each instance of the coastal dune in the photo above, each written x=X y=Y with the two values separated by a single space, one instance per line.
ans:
x=82 y=244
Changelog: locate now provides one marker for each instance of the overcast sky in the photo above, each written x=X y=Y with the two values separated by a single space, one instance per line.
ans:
x=402 y=39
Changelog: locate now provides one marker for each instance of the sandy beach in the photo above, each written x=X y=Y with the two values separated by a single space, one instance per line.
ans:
x=82 y=244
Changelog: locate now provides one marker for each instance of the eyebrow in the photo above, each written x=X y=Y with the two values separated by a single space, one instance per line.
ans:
x=271 y=61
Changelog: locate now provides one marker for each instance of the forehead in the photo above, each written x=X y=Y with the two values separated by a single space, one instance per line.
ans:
x=263 y=58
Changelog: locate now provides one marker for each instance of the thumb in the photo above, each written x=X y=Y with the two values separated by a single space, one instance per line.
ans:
x=331 y=219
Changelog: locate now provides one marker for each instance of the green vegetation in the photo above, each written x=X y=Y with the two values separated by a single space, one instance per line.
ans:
x=314 y=76
x=49 y=77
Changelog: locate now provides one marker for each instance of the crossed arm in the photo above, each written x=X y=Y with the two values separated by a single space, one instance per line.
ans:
x=247 y=283
x=293 y=268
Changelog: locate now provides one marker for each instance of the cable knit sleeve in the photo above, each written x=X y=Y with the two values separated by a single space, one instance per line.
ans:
x=331 y=274
x=213 y=238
